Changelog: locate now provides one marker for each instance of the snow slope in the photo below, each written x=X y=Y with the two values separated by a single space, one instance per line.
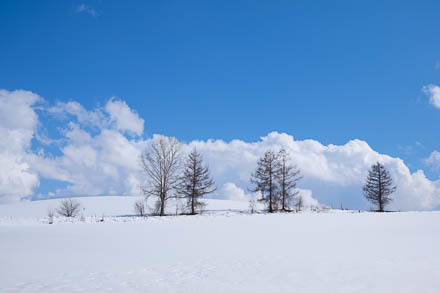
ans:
x=222 y=251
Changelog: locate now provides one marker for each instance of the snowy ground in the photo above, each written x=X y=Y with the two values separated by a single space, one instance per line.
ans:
x=222 y=251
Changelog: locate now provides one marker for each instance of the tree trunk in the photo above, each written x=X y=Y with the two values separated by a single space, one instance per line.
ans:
x=162 y=208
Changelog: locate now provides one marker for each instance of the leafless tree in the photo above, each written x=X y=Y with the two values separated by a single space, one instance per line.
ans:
x=379 y=186
x=287 y=178
x=50 y=215
x=195 y=183
x=299 y=203
x=252 y=205
x=264 y=179
x=69 y=207
x=139 y=207
x=161 y=162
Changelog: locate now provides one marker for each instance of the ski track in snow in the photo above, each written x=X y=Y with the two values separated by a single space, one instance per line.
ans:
x=222 y=251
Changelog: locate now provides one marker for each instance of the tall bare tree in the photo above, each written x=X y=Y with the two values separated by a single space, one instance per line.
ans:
x=161 y=162
x=196 y=182
x=264 y=179
x=287 y=177
x=379 y=186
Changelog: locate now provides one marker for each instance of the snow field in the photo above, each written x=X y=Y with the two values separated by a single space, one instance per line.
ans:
x=223 y=251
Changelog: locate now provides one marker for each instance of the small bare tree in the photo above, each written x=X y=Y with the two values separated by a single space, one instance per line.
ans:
x=161 y=162
x=252 y=205
x=299 y=203
x=195 y=183
x=69 y=207
x=139 y=207
x=50 y=215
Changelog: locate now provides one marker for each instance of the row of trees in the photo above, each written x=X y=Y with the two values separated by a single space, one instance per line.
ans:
x=172 y=176
x=275 y=178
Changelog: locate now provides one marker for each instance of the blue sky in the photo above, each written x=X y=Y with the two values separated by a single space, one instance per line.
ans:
x=239 y=69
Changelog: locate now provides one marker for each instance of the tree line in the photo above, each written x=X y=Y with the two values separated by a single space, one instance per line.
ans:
x=274 y=179
x=173 y=175
x=169 y=176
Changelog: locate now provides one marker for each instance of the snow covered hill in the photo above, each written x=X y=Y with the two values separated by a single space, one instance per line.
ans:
x=114 y=208
x=225 y=250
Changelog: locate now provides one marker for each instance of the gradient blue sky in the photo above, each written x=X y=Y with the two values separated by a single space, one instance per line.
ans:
x=331 y=71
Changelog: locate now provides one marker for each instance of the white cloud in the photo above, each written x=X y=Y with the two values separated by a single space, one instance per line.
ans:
x=84 y=8
x=433 y=91
x=307 y=198
x=125 y=118
x=334 y=173
x=116 y=114
x=98 y=156
x=232 y=192
x=18 y=122
x=106 y=163
x=433 y=160
x=94 y=118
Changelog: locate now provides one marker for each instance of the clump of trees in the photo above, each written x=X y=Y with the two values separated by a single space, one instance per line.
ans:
x=379 y=186
x=171 y=176
x=69 y=208
x=276 y=178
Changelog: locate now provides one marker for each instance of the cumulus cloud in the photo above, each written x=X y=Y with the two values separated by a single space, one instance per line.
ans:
x=433 y=91
x=96 y=162
x=335 y=173
x=100 y=149
x=433 y=160
x=307 y=198
x=96 y=155
x=18 y=122
x=232 y=192
x=115 y=115
x=125 y=118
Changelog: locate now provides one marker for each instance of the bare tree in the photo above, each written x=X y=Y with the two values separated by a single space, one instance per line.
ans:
x=252 y=205
x=379 y=186
x=69 y=207
x=299 y=203
x=287 y=178
x=195 y=183
x=264 y=179
x=139 y=207
x=161 y=163
x=50 y=215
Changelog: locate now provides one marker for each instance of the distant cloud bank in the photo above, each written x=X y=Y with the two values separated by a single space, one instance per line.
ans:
x=97 y=150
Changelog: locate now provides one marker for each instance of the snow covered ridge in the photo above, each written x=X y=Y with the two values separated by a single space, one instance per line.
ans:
x=113 y=209
x=223 y=250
